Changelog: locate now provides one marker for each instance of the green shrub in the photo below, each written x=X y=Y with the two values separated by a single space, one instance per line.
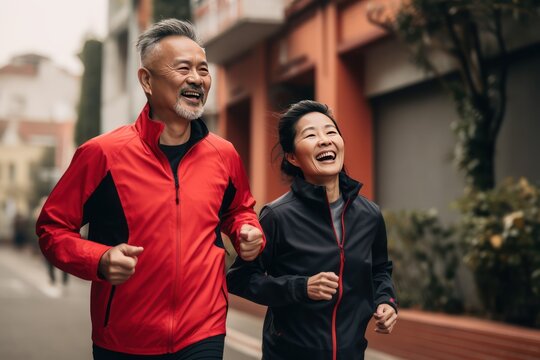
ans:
x=425 y=260
x=500 y=230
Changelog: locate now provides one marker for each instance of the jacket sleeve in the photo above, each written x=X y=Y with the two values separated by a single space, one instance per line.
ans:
x=251 y=280
x=382 y=268
x=61 y=218
x=240 y=211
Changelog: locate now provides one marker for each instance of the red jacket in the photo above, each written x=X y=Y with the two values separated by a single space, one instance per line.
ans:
x=121 y=183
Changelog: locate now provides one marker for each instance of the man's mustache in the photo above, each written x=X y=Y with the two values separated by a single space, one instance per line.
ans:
x=196 y=89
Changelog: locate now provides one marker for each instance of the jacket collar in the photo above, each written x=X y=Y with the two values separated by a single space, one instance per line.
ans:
x=317 y=194
x=150 y=130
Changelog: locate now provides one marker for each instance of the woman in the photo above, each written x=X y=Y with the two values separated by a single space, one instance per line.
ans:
x=325 y=271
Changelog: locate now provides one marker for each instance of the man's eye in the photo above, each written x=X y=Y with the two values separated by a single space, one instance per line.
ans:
x=203 y=71
x=333 y=132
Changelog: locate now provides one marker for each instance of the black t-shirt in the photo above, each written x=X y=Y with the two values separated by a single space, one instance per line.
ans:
x=175 y=153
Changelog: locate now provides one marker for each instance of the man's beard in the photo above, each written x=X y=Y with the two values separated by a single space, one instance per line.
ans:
x=187 y=114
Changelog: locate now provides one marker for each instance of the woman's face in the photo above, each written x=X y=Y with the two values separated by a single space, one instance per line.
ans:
x=319 y=149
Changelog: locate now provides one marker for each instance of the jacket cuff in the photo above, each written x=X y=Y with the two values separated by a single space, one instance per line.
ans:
x=235 y=238
x=96 y=255
x=299 y=289
x=390 y=301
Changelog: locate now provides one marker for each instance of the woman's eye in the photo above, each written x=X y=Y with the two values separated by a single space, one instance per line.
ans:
x=310 y=135
x=333 y=132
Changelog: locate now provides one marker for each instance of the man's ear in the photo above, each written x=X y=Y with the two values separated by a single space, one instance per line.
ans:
x=292 y=159
x=144 y=79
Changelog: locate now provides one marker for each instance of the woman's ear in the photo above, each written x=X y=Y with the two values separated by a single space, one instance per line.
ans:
x=290 y=157
x=144 y=79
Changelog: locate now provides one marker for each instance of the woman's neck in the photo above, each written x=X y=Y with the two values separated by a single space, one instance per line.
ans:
x=332 y=190
x=331 y=185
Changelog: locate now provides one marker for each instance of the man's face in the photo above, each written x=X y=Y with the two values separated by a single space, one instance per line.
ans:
x=179 y=77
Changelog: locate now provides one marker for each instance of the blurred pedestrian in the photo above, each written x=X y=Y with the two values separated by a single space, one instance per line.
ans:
x=325 y=270
x=156 y=195
x=20 y=230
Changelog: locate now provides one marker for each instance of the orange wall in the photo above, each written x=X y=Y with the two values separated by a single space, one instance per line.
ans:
x=353 y=26
x=314 y=40
x=355 y=120
x=246 y=77
x=300 y=41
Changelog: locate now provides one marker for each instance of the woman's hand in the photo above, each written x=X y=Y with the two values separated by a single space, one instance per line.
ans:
x=385 y=319
x=322 y=286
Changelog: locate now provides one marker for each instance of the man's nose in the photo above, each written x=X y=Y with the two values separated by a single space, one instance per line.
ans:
x=194 y=78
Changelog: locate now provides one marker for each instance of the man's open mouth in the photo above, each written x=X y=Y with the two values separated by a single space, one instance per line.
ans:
x=193 y=95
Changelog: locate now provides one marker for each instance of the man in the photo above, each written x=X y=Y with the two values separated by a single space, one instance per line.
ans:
x=156 y=195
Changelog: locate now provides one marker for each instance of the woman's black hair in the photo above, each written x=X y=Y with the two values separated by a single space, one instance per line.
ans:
x=287 y=131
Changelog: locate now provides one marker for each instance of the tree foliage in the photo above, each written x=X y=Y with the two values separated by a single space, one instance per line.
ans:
x=472 y=33
x=89 y=111
x=418 y=237
x=500 y=231
x=179 y=9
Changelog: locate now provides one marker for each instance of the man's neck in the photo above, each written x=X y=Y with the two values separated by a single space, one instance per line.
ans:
x=175 y=133
x=177 y=129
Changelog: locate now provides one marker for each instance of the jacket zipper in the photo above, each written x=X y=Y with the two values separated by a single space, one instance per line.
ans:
x=341 y=266
x=176 y=187
x=177 y=232
x=177 y=265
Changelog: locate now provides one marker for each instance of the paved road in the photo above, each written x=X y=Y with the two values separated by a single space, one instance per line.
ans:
x=40 y=321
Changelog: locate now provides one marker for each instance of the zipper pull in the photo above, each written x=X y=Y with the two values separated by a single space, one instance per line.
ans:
x=342 y=253
x=176 y=187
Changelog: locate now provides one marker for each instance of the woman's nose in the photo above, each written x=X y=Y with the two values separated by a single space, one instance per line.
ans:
x=324 y=140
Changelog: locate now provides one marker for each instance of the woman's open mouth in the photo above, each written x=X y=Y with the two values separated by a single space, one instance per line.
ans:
x=326 y=156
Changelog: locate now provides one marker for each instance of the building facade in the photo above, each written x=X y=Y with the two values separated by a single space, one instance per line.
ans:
x=36 y=124
x=395 y=120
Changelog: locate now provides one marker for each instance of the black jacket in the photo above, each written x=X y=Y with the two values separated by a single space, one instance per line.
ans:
x=301 y=242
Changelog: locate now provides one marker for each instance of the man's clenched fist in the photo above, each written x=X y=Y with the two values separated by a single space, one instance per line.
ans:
x=118 y=263
x=251 y=240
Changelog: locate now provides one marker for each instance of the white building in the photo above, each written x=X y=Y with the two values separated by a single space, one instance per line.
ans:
x=37 y=112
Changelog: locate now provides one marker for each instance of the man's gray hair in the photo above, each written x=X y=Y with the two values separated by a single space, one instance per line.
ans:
x=167 y=27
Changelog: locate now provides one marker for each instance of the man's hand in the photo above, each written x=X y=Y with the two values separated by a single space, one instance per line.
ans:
x=118 y=263
x=322 y=286
x=385 y=319
x=251 y=240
